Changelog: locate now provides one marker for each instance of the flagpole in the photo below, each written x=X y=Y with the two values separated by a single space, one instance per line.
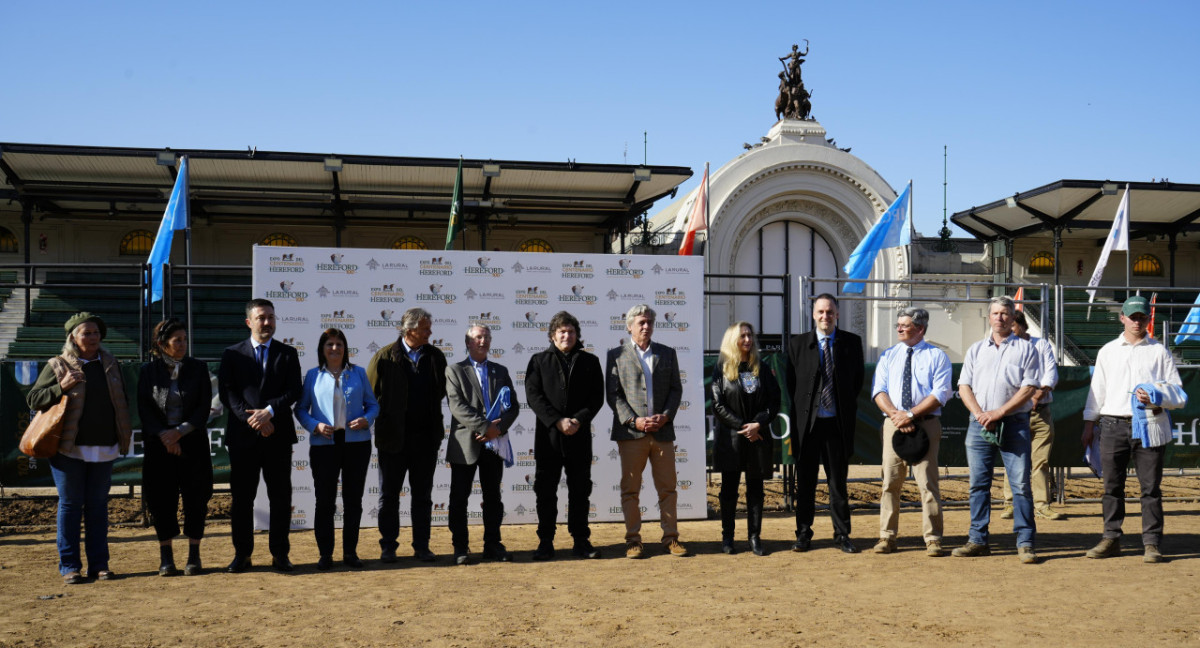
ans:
x=912 y=272
x=707 y=243
x=187 y=257
x=1128 y=250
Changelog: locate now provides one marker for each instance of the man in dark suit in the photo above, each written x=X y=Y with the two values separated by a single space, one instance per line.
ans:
x=564 y=387
x=258 y=383
x=825 y=374
x=408 y=377
x=471 y=387
x=644 y=390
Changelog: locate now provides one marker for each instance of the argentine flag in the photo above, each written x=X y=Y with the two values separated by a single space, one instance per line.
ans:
x=893 y=229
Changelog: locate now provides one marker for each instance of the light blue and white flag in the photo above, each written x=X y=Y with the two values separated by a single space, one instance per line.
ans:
x=1118 y=239
x=893 y=229
x=174 y=218
x=501 y=445
x=1190 y=329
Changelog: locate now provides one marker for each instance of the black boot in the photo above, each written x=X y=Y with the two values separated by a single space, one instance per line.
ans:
x=754 y=514
x=166 y=561
x=727 y=517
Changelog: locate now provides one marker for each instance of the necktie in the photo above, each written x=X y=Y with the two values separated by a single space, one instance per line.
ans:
x=906 y=392
x=483 y=383
x=260 y=353
x=827 y=382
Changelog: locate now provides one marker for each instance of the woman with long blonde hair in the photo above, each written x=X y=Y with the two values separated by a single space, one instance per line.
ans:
x=745 y=402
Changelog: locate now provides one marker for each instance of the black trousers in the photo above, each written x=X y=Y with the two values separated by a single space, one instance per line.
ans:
x=166 y=477
x=1117 y=448
x=350 y=460
x=728 y=498
x=462 y=479
x=547 y=473
x=418 y=463
x=274 y=462
x=823 y=446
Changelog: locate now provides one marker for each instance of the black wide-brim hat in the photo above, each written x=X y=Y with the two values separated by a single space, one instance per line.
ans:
x=912 y=446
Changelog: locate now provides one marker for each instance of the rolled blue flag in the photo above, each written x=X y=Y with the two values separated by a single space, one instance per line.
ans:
x=892 y=230
x=1190 y=329
x=501 y=445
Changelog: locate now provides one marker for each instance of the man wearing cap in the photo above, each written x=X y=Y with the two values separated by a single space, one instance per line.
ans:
x=1131 y=359
x=1041 y=427
x=998 y=378
x=917 y=376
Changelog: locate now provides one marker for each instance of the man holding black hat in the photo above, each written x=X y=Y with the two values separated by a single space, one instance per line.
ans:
x=917 y=376
x=1121 y=366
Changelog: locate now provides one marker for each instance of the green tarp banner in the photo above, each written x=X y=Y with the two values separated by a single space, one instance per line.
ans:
x=17 y=470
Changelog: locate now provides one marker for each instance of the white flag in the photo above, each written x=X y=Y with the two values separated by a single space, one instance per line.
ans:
x=1118 y=239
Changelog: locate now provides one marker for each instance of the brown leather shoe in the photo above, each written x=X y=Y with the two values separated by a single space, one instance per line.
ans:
x=1007 y=513
x=885 y=546
x=971 y=550
x=1152 y=554
x=675 y=549
x=634 y=550
x=1047 y=513
x=933 y=549
x=1027 y=555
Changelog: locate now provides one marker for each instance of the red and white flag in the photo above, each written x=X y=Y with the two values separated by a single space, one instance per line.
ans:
x=1153 y=298
x=698 y=220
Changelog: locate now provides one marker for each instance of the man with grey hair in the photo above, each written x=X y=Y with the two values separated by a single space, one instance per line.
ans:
x=472 y=385
x=1041 y=429
x=915 y=375
x=644 y=391
x=409 y=380
x=998 y=378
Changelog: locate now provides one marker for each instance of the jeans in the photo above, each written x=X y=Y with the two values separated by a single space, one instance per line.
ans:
x=82 y=496
x=981 y=457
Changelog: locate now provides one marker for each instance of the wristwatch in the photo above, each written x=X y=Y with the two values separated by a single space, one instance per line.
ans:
x=910 y=414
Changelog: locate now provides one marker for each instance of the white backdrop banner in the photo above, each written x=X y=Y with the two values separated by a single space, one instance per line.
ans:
x=364 y=292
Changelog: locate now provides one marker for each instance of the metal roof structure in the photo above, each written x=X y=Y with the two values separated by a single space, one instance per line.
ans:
x=1084 y=209
x=340 y=190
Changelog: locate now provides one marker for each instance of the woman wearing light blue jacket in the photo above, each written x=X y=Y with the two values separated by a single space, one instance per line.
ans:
x=337 y=408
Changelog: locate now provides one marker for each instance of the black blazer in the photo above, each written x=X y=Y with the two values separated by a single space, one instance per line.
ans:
x=553 y=394
x=804 y=384
x=733 y=407
x=243 y=386
x=195 y=388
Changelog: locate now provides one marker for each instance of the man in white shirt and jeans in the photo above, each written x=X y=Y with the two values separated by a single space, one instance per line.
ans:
x=1131 y=359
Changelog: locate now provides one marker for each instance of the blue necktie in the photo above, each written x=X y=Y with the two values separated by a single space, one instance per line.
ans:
x=906 y=401
x=483 y=383
x=260 y=353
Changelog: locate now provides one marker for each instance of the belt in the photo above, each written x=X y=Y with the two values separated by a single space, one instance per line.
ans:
x=1041 y=407
x=1118 y=418
x=924 y=418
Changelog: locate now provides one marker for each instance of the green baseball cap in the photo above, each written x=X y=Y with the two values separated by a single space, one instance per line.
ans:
x=1136 y=305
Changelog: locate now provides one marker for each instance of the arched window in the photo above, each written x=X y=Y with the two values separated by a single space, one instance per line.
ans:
x=278 y=239
x=1041 y=263
x=409 y=243
x=8 y=240
x=1147 y=265
x=137 y=243
x=535 y=245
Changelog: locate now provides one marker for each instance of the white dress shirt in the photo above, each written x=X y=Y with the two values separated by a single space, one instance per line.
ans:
x=1121 y=366
x=1049 y=364
x=646 y=358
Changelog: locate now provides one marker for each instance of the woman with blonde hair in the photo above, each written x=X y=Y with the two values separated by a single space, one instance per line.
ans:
x=745 y=401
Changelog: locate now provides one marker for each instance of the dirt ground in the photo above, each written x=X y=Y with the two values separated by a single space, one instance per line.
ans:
x=821 y=597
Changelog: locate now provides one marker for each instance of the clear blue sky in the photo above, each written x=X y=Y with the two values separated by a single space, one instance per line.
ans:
x=1023 y=93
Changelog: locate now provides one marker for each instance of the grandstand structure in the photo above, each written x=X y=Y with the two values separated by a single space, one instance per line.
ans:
x=77 y=224
x=1053 y=234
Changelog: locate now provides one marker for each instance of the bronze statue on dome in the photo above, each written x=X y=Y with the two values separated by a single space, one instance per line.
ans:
x=793 y=99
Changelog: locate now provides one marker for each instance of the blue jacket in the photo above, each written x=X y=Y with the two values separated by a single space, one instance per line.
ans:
x=316 y=405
